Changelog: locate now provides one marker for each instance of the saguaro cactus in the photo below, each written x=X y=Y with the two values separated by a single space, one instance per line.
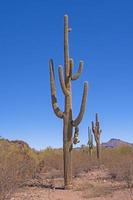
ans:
x=90 y=141
x=97 y=132
x=66 y=115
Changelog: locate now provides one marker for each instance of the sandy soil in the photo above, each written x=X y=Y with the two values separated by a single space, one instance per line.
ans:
x=94 y=185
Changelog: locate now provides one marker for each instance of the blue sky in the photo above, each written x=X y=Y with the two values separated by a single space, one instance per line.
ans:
x=31 y=32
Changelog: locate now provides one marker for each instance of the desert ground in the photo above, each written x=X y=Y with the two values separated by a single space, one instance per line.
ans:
x=95 y=184
x=27 y=174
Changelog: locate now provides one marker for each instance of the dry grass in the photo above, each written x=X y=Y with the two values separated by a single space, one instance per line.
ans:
x=52 y=159
x=119 y=162
x=16 y=166
x=93 y=189
x=20 y=164
x=82 y=162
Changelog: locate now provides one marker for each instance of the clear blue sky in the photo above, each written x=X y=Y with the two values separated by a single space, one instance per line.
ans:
x=31 y=32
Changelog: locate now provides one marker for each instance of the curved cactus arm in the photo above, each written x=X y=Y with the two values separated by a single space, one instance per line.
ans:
x=76 y=76
x=62 y=82
x=93 y=129
x=55 y=106
x=77 y=121
x=92 y=140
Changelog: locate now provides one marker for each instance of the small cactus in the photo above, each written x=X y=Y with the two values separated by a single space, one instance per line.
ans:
x=90 y=141
x=97 y=132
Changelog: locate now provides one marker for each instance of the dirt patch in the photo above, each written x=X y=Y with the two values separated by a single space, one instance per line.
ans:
x=94 y=185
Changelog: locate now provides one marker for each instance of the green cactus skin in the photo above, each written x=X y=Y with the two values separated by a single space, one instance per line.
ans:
x=65 y=77
x=90 y=141
x=97 y=132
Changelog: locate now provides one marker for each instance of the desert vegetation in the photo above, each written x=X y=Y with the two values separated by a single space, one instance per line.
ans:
x=20 y=165
x=17 y=164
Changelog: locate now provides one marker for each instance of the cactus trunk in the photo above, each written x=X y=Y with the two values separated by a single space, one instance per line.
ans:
x=90 y=152
x=68 y=122
x=98 y=150
x=67 y=132
x=67 y=153
x=67 y=143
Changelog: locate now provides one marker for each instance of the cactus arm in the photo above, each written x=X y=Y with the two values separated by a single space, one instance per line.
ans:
x=92 y=140
x=71 y=63
x=97 y=121
x=77 y=121
x=63 y=86
x=96 y=117
x=93 y=129
x=76 y=76
x=55 y=106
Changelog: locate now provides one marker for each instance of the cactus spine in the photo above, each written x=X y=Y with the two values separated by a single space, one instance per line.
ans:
x=90 y=141
x=97 y=132
x=68 y=122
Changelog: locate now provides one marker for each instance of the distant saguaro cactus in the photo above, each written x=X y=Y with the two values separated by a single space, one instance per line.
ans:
x=97 y=132
x=90 y=141
x=68 y=122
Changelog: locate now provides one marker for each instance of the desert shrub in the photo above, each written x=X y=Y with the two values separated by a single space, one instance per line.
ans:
x=16 y=166
x=124 y=149
x=82 y=162
x=52 y=159
x=119 y=162
x=50 y=163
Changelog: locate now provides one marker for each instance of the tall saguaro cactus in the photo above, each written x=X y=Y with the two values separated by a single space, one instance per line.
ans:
x=68 y=122
x=97 y=132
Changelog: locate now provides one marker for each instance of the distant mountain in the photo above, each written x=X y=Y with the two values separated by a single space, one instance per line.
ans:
x=112 y=143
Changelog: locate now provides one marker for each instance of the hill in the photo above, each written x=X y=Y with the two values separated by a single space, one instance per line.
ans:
x=112 y=143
